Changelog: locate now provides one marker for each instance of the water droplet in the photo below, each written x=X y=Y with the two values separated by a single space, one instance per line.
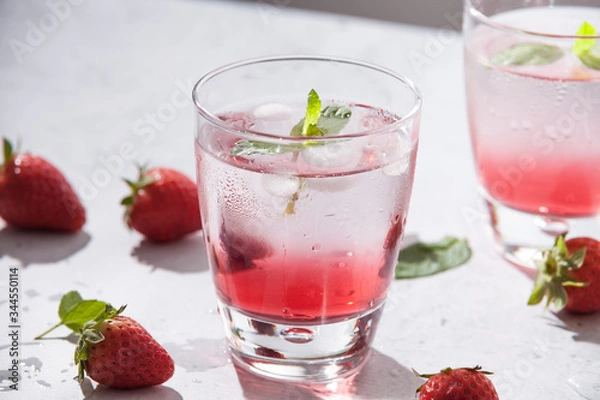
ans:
x=586 y=385
x=350 y=254
x=316 y=247
x=298 y=335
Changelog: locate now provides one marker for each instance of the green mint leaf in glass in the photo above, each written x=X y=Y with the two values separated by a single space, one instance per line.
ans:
x=252 y=147
x=527 y=54
x=334 y=119
x=313 y=112
x=587 y=49
x=74 y=312
x=423 y=259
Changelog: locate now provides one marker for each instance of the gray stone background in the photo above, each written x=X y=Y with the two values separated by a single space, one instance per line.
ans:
x=419 y=12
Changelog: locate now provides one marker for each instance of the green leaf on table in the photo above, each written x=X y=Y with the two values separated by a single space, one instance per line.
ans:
x=587 y=48
x=527 y=54
x=74 y=312
x=423 y=259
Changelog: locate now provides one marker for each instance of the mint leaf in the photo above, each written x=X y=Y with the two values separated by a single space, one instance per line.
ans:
x=327 y=122
x=587 y=49
x=334 y=119
x=68 y=302
x=313 y=112
x=252 y=147
x=75 y=312
x=423 y=259
x=527 y=54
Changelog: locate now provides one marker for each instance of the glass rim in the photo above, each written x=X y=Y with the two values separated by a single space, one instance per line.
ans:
x=484 y=19
x=214 y=120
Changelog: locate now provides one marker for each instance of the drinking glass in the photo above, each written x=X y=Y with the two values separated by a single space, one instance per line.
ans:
x=302 y=233
x=534 y=117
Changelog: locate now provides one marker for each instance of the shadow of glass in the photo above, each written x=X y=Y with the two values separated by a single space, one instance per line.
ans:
x=187 y=255
x=198 y=355
x=380 y=378
x=40 y=247
x=149 y=393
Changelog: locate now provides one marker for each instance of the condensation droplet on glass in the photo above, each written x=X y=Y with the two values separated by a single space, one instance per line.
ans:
x=349 y=254
x=316 y=247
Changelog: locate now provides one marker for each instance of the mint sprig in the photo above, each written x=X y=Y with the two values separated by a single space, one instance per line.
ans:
x=586 y=48
x=522 y=54
x=74 y=312
x=328 y=121
x=423 y=259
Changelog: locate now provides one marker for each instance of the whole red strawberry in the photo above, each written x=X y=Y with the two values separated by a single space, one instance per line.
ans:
x=569 y=276
x=118 y=352
x=163 y=206
x=36 y=195
x=458 y=384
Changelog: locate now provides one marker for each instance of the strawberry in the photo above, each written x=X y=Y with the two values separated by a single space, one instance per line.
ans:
x=457 y=384
x=118 y=352
x=569 y=276
x=36 y=195
x=163 y=205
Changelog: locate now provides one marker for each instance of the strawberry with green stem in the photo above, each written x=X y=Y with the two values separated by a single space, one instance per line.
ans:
x=163 y=205
x=457 y=384
x=113 y=350
x=569 y=276
x=34 y=194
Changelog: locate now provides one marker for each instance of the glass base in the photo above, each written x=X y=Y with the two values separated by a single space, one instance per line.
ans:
x=521 y=237
x=300 y=352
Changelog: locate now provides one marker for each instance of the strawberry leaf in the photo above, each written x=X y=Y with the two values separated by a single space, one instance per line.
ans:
x=84 y=311
x=423 y=259
x=7 y=149
x=68 y=302
x=75 y=312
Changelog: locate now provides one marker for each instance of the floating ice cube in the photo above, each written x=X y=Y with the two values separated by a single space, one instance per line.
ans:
x=397 y=153
x=238 y=120
x=273 y=112
x=330 y=155
x=397 y=168
x=280 y=185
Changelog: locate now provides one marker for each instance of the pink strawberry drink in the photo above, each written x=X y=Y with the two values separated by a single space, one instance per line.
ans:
x=303 y=202
x=536 y=128
x=301 y=237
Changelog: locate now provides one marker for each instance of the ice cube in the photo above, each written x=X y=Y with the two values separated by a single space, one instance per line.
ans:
x=330 y=155
x=280 y=185
x=273 y=112
x=397 y=168
x=238 y=120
